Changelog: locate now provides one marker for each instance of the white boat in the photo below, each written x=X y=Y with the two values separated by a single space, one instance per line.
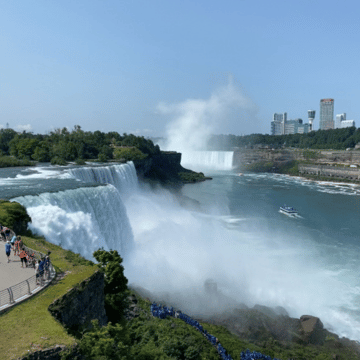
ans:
x=288 y=210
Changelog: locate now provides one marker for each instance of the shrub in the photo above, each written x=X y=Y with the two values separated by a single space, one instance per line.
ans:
x=56 y=160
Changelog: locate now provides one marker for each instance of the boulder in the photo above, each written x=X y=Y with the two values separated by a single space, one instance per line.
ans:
x=313 y=330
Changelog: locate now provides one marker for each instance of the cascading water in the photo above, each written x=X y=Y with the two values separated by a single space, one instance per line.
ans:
x=86 y=219
x=214 y=160
x=123 y=176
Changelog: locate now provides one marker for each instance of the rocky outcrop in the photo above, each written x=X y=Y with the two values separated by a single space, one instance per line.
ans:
x=312 y=329
x=81 y=304
x=164 y=168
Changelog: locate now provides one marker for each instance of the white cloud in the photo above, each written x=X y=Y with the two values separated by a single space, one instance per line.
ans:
x=22 y=128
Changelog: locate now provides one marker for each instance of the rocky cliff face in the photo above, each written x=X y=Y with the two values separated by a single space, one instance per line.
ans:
x=80 y=305
x=164 y=168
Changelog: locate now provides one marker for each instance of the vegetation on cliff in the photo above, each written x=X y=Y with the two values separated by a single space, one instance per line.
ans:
x=110 y=262
x=289 y=167
x=62 y=145
x=14 y=216
x=339 y=139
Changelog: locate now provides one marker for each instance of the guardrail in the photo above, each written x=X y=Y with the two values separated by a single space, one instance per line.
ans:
x=26 y=288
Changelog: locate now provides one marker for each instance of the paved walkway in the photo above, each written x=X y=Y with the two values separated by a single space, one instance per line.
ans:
x=12 y=273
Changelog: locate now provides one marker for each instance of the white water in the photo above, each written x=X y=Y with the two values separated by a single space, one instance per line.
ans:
x=86 y=219
x=123 y=177
x=205 y=160
x=172 y=251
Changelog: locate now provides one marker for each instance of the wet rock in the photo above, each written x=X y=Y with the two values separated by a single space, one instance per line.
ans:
x=313 y=329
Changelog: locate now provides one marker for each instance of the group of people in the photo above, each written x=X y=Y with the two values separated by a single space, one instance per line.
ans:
x=41 y=266
x=163 y=312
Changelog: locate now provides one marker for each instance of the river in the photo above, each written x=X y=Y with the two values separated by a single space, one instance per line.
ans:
x=236 y=236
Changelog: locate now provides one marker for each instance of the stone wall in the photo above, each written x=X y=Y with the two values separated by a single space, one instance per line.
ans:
x=81 y=304
x=331 y=171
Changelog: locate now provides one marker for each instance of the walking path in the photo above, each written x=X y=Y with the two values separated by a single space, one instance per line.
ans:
x=12 y=273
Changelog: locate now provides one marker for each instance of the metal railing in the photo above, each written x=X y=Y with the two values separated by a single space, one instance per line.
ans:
x=26 y=288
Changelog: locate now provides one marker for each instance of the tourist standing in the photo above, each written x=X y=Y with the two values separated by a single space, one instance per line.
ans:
x=37 y=272
x=8 y=250
x=23 y=256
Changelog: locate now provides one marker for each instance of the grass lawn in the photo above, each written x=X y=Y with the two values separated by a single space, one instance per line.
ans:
x=29 y=326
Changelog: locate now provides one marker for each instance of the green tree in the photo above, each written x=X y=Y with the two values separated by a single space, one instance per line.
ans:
x=42 y=152
x=104 y=343
x=128 y=154
x=115 y=290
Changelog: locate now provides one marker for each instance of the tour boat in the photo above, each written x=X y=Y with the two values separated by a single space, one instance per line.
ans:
x=288 y=210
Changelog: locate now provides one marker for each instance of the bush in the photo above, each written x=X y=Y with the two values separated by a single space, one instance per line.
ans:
x=80 y=161
x=9 y=161
x=56 y=160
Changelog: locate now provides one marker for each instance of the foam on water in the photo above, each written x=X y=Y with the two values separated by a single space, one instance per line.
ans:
x=82 y=220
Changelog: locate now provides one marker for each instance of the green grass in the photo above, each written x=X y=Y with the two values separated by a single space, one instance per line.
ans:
x=29 y=326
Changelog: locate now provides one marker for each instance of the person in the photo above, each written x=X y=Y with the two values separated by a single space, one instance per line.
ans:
x=14 y=244
x=37 y=273
x=23 y=258
x=20 y=244
x=47 y=267
x=8 y=250
x=41 y=269
x=2 y=234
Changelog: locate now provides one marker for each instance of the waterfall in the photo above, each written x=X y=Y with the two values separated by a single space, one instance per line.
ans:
x=85 y=219
x=122 y=176
x=82 y=220
x=213 y=160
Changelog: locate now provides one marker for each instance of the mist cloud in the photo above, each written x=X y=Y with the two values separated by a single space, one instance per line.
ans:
x=194 y=120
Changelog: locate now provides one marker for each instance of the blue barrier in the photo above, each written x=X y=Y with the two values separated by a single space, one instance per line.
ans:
x=254 y=356
x=163 y=311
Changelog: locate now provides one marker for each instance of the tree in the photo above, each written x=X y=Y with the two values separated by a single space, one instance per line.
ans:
x=104 y=343
x=128 y=154
x=115 y=290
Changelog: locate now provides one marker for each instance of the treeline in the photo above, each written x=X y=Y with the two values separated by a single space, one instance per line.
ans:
x=337 y=139
x=62 y=145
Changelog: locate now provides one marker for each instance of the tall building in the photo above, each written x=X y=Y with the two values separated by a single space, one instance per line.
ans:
x=326 y=114
x=311 y=117
x=278 y=124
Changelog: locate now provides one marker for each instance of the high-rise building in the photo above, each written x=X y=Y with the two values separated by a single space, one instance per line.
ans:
x=326 y=114
x=311 y=117
x=278 y=124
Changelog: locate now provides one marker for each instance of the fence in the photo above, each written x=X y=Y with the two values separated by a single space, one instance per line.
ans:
x=26 y=288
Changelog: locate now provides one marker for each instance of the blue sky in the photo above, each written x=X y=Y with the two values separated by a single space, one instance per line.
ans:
x=115 y=65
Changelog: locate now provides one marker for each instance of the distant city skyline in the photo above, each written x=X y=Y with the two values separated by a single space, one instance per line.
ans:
x=280 y=125
x=130 y=66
